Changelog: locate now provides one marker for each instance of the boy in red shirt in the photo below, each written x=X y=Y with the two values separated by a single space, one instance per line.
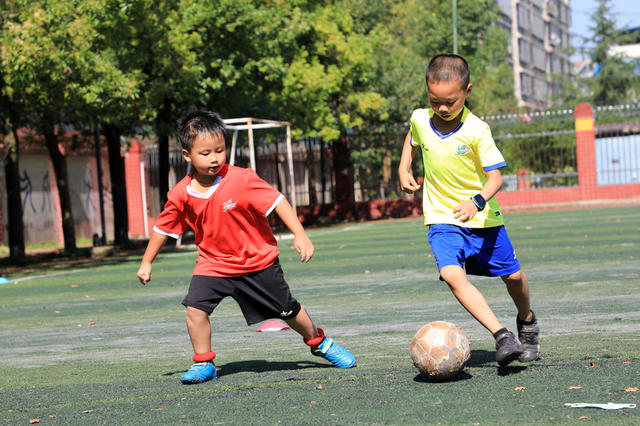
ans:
x=227 y=207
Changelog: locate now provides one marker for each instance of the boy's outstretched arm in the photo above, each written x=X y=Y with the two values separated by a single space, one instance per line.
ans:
x=301 y=242
x=407 y=182
x=156 y=242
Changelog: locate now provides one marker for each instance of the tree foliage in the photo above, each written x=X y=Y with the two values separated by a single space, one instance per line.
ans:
x=328 y=67
x=614 y=80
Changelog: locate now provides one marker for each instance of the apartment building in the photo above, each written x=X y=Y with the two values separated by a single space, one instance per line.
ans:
x=539 y=47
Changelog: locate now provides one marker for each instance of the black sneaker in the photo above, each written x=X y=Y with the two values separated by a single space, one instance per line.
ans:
x=529 y=335
x=508 y=348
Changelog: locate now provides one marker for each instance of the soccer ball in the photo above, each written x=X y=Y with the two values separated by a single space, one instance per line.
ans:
x=439 y=350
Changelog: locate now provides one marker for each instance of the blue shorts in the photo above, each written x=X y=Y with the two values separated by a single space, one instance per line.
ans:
x=483 y=251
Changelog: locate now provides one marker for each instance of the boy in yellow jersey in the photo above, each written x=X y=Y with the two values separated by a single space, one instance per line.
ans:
x=466 y=229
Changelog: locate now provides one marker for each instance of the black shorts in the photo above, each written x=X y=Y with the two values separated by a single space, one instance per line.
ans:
x=261 y=295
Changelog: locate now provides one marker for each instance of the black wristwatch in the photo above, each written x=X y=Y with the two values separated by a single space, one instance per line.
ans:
x=479 y=201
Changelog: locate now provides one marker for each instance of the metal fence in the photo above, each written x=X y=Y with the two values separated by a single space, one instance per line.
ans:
x=312 y=163
x=539 y=149
x=618 y=144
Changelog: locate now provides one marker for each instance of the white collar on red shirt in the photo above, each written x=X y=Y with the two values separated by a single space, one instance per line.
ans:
x=209 y=192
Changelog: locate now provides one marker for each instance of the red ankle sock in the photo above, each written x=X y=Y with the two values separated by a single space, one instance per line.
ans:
x=314 y=342
x=207 y=356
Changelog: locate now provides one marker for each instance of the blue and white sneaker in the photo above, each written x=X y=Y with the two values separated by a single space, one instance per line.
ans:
x=200 y=372
x=334 y=353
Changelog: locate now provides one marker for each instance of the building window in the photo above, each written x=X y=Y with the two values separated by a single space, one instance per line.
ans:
x=526 y=84
x=537 y=27
x=554 y=35
x=540 y=91
x=524 y=50
x=524 y=19
x=556 y=64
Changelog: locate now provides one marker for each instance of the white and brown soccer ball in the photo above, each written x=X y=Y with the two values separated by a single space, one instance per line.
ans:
x=439 y=350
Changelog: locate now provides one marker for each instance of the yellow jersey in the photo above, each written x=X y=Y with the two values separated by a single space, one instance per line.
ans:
x=455 y=166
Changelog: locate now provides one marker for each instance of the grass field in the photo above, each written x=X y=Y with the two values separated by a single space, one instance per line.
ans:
x=91 y=346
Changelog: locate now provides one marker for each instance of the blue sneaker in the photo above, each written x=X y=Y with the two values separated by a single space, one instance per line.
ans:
x=200 y=372
x=334 y=353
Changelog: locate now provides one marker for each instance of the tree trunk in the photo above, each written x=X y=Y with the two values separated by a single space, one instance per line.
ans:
x=343 y=175
x=163 y=125
x=311 y=169
x=62 y=181
x=118 y=186
x=12 y=181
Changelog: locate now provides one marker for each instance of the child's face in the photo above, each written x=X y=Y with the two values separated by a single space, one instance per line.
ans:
x=207 y=155
x=447 y=98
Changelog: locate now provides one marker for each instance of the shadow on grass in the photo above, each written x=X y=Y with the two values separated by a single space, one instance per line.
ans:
x=482 y=358
x=463 y=375
x=259 y=366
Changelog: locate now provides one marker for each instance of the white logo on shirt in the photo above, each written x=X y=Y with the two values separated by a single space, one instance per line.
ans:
x=462 y=149
x=228 y=205
x=285 y=313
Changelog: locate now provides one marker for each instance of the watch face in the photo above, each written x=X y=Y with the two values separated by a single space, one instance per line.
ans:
x=479 y=201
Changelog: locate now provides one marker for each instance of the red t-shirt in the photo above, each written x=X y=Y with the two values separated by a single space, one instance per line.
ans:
x=232 y=232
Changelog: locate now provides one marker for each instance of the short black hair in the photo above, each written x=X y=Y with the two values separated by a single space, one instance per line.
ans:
x=196 y=123
x=447 y=67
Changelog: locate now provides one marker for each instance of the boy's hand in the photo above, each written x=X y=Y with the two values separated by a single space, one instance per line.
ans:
x=408 y=183
x=465 y=211
x=144 y=273
x=303 y=245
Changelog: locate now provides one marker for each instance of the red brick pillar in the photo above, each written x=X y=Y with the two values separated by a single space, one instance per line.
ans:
x=586 y=150
x=134 y=169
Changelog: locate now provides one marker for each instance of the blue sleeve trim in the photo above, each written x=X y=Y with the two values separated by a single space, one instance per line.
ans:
x=495 y=166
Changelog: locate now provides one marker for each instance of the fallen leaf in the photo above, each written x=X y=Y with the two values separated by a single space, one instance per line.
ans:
x=92 y=323
x=319 y=387
x=87 y=411
x=591 y=364
x=519 y=388
x=367 y=272
x=313 y=402
x=633 y=389
x=627 y=362
x=575 y=387
x=52 y=416
x=32 y=421
x=74 y=285
x=583 y=418
x=156 y=409
x=86 y=296
x=57 y=312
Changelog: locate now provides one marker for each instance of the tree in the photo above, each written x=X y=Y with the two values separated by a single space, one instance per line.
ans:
x=614 y=80
x=8 y=128
x=165 y=44
x=12 y=177
x=614 y=75
x=51 y=66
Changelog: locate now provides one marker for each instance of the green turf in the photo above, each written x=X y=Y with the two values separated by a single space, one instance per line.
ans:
x=91 y=346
